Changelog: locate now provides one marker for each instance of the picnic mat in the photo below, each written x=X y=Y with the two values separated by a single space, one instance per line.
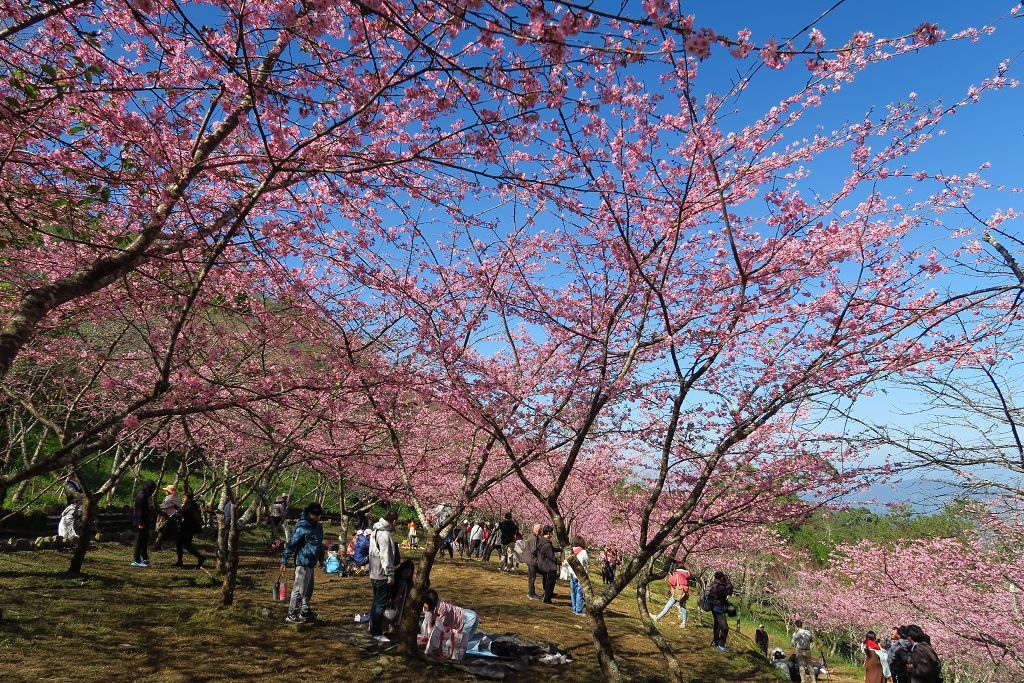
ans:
x=494 y=657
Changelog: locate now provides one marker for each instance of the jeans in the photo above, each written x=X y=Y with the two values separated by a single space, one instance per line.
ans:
x=668 y=606
x=531 y=579
x=469 y=621
x=721 y=630
x=302 y=591
x=381 y=597
x=577 y=595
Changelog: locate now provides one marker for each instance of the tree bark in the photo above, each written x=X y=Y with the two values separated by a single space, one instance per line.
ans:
x=674 y=671
x=409 y=627
x=605 y=651
x=89 y=514
x=231 y=563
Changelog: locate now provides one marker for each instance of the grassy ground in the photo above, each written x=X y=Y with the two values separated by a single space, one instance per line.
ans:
x=163 y=623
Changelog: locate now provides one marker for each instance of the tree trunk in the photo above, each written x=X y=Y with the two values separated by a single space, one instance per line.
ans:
x=674 y=671
x=89 y=514
x=605 y=651
x=421 y=584
x=231 y=565
x=222 y=530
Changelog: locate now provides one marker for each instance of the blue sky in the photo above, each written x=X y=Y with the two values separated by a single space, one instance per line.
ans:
x=992 y=132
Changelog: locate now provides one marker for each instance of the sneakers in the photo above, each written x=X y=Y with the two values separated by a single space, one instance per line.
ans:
x=382 y=639
x=294 y=619
x=721 y=648
x=200 y=562
x=309 y=615
x=533 y=597
x=138 y=564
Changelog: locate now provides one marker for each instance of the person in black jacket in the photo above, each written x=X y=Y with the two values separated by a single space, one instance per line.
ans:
x=142 y=519
x=720 y=591
x=546 y=563
x=190 y=524
x=509 y=530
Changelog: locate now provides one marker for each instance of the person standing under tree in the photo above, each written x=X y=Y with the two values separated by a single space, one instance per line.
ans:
x=924 y=665
x=141 y=520
x=508 y=529
x=761 y=639
x=190 y=523
x=275 y=517
x=579 y=549
x=530 y=558
x=876 y=669
x=414 y=541
x=165 y=514
x=383 y=560
x=546 y=563
x=802 y=640
x=721 y=589
x=307 y=544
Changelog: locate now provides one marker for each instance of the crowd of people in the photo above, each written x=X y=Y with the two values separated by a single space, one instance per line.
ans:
x=906 y=656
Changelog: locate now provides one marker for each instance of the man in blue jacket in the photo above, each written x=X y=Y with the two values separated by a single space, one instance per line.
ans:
x=307 y=543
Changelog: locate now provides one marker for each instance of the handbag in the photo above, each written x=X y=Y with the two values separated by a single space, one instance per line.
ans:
x=280 y=588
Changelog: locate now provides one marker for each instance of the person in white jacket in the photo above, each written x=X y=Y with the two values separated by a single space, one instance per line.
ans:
x=383 y=558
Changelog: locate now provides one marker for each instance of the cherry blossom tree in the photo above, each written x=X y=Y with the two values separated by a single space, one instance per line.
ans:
x=964 y=592
x=680 y=283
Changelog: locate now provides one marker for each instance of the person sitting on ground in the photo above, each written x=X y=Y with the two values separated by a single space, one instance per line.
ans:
x=437 y=612
x=678 y=593
x=779 y=661
x=361 y=552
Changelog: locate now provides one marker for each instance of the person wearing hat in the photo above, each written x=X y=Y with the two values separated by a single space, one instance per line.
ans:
x=164 y=516
x=307 y=544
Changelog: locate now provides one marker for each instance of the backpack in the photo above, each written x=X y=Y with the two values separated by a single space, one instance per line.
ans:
x=705 y=601
x=332 y=565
